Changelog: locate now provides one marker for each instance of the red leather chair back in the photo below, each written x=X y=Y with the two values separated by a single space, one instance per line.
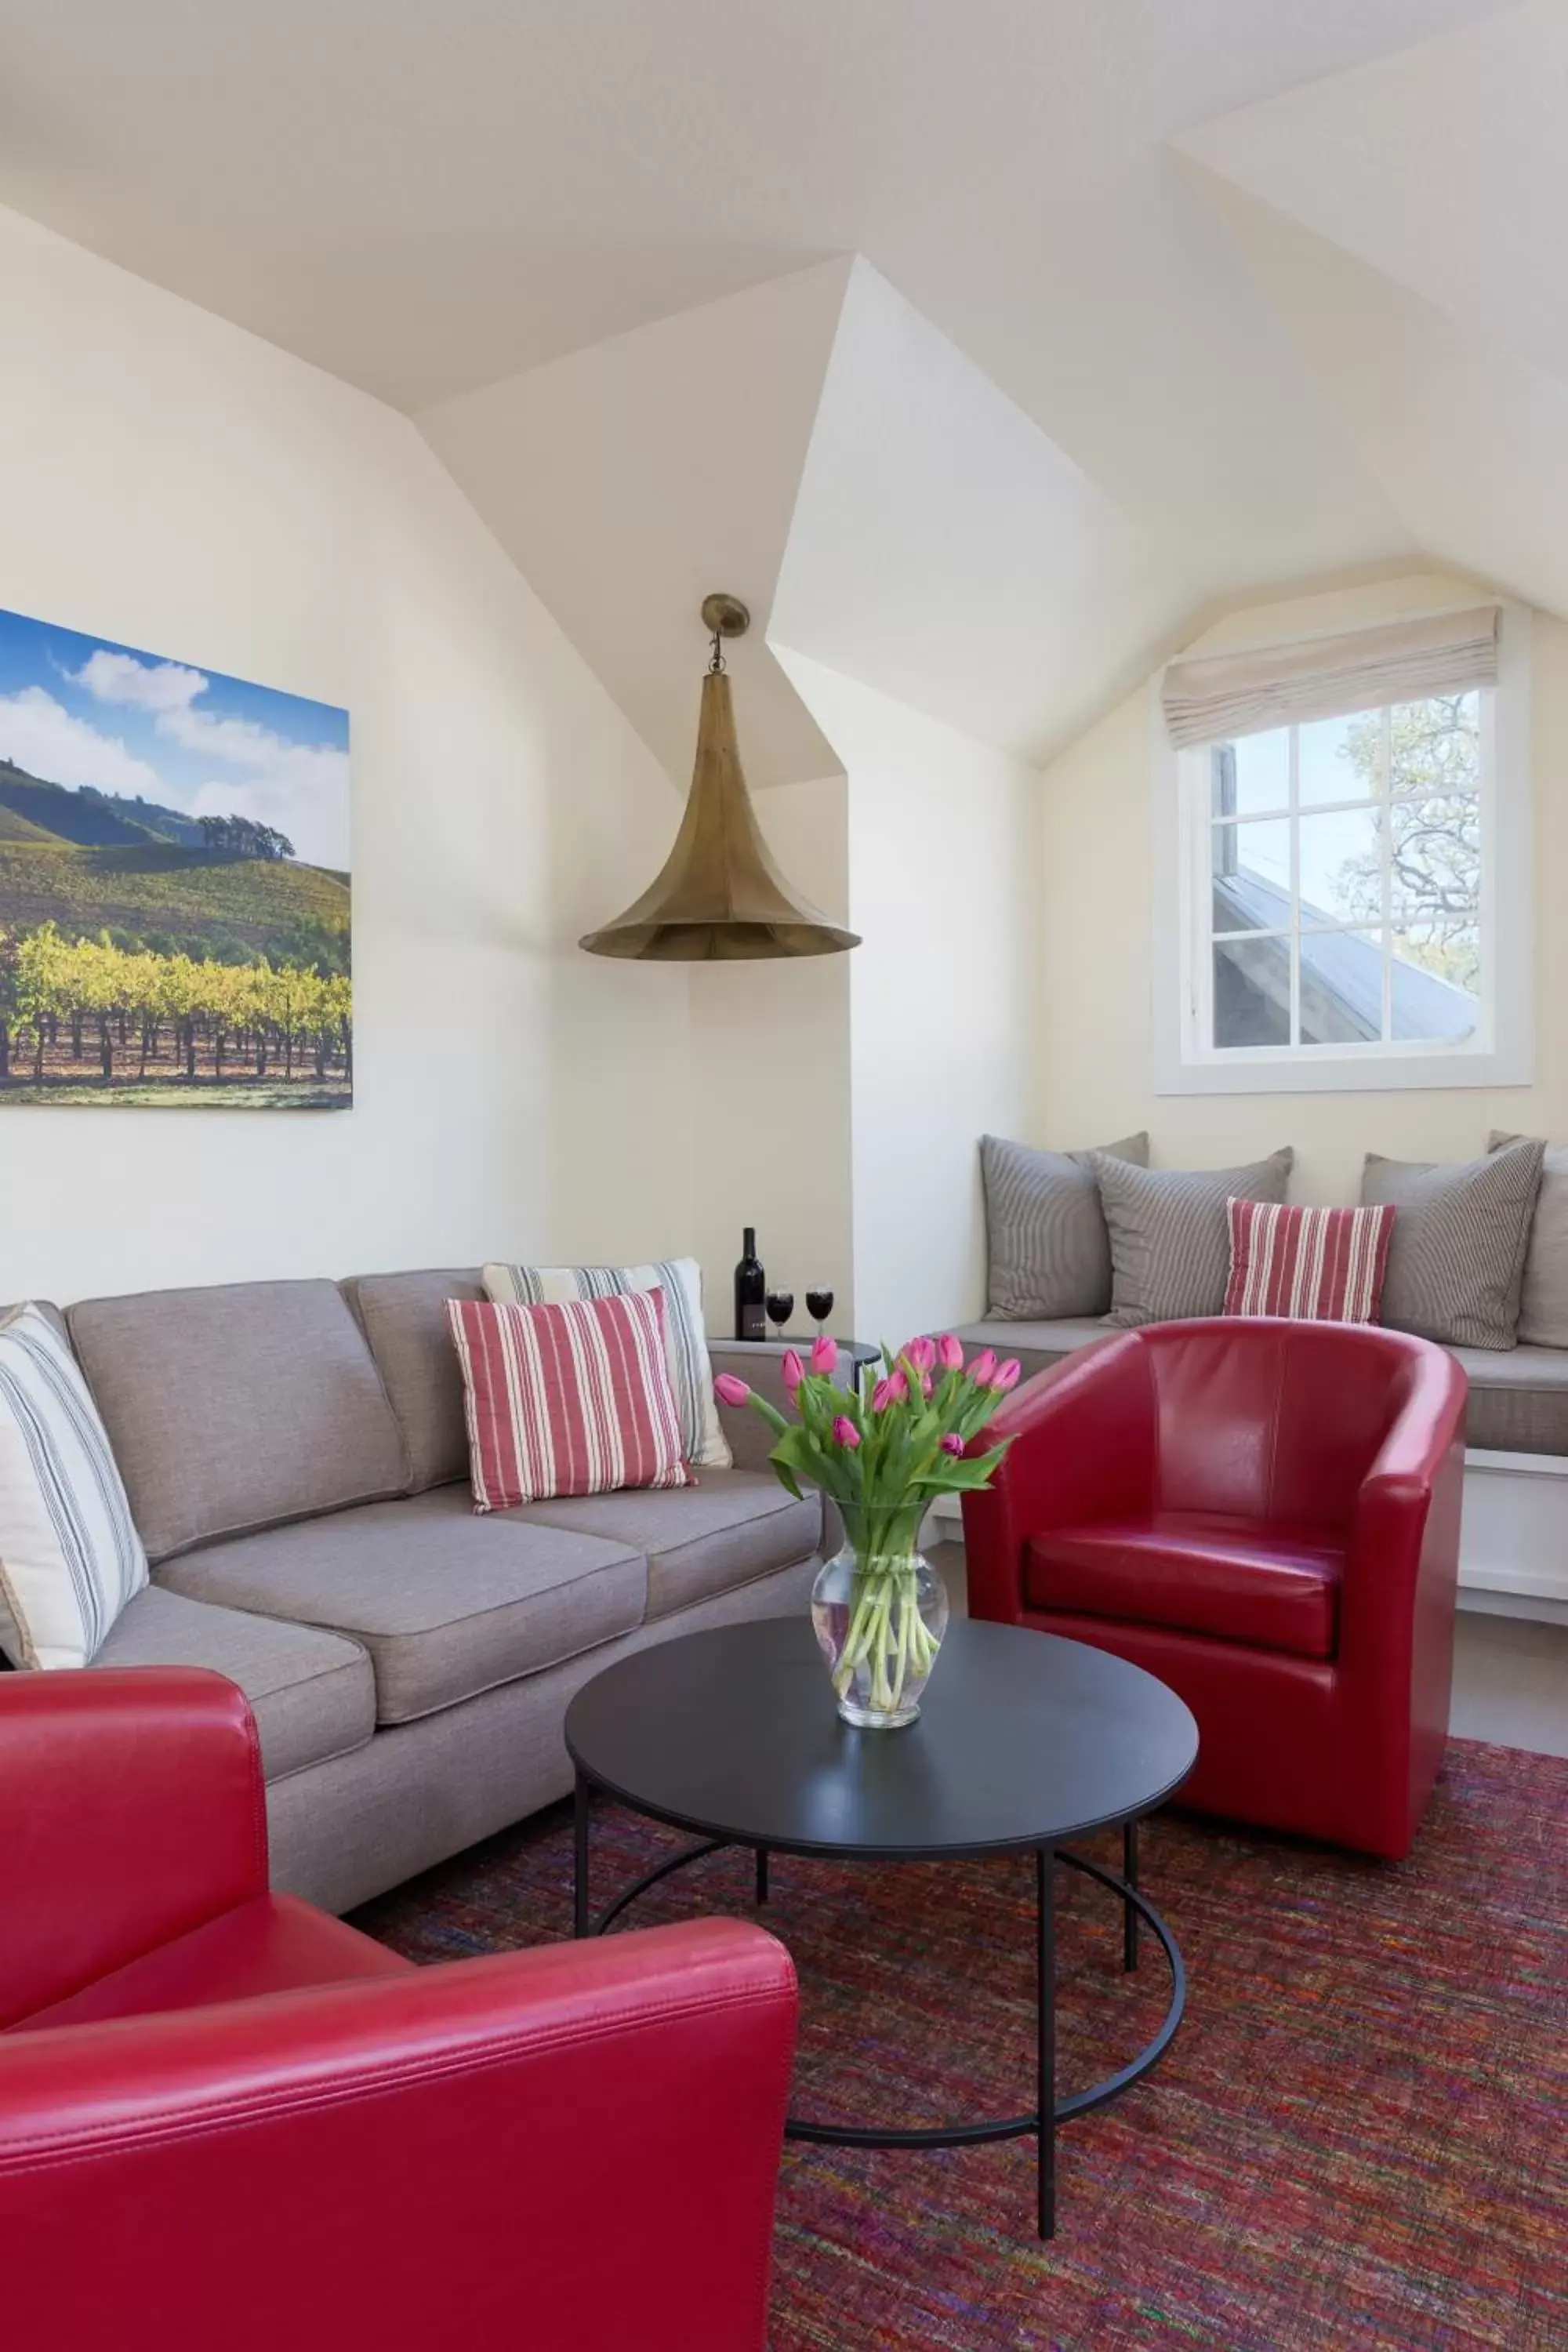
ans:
x=130 y=1812
x=1275 y=1421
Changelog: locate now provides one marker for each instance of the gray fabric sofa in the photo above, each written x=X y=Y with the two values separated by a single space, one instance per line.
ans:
x=296 y=1460
x=1519 y=1396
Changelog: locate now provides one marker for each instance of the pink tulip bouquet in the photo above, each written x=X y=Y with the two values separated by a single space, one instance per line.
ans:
x=882 y=1451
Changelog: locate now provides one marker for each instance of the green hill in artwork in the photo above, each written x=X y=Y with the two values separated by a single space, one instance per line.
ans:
x=88 y=864
x=19 y=828
x=94 y=819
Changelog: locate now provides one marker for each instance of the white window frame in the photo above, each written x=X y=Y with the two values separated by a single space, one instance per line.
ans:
x=1502 y=1051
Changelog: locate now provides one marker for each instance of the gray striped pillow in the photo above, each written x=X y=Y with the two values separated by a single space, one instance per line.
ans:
x=1170 y=1233
x=1048 y=1252
x=71 y=1556
x=1457 y=1259
x=1544 y=1295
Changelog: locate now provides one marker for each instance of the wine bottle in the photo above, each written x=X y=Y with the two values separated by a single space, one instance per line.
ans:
x=751 y=1291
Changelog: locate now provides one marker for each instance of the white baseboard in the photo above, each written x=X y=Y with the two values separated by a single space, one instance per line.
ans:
x=1513 y=1548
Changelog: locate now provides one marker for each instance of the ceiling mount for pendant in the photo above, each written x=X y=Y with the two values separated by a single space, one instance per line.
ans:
x=720 y=897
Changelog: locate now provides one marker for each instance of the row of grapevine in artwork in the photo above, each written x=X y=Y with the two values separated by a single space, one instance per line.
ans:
x=65 y=1000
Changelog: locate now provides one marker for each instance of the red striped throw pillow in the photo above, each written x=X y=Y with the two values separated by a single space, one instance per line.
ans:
x=1317 y=1265
x=568 y=1400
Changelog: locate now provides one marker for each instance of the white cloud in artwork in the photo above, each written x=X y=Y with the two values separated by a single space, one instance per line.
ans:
x=301 y=789
x=41 y=735
x=302 y=792
x=148 y=685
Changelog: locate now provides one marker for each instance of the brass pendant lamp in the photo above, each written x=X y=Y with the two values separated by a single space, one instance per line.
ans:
x=720 y=897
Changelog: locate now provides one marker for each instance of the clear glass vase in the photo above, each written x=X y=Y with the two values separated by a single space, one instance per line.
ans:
x=880 y=1610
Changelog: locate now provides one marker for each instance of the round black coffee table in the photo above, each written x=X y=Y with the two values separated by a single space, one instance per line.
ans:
x=1023 y=1742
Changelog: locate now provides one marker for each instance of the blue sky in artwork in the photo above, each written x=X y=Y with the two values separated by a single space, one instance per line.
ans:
x=78 y=711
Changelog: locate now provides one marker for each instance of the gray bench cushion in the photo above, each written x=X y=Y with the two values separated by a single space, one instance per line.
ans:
x=1519 y=1396
x=1037 y=1346
x=237 y=1406
x=1519 y=1399
x=447 y=1604
x=312 y=1693
x=733 y=1526
x=404 y=1317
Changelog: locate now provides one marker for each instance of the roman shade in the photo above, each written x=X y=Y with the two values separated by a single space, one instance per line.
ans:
x=1226 y=695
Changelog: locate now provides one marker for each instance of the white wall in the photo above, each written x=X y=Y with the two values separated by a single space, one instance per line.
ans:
x=943 y=998
x=169 y=480
x=1096 y=912
x=771 y=1081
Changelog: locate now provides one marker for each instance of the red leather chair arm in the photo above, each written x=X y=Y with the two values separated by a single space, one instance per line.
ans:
x=1406 y=1512
x=130 y=1810
x=1083 y=1446
x=574 y=2149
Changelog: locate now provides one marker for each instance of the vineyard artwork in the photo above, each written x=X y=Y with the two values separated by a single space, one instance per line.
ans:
x=173 y=883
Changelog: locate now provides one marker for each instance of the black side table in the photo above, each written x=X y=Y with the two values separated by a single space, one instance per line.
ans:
x=1023 y=1741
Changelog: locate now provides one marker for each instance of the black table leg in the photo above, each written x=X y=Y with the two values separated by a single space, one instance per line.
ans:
x=1045 y=2039
x=762 y=1873
x=1129 y=1911
x=579 y=1858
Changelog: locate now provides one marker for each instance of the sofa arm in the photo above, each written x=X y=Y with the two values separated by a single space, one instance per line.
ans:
x=574 y=2147
x=1083 y=1438
x=130 y=1812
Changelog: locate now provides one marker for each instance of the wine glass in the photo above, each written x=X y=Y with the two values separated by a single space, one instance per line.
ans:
x=781 y=1307
x=819 y=1306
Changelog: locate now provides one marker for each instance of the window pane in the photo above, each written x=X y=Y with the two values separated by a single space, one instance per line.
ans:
x=1341 y=987
x=1436 y=885
x=1252 y=876
x=1252 y=775
x=1252 y=992
x=1434 y=747
x=1341 y=758
x=1435 y=987
x=1341 y=867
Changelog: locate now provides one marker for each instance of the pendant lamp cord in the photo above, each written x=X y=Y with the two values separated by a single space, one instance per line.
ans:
x=716 y=659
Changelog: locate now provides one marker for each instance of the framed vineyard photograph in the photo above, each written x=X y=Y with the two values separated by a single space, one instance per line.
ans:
x=173 y=883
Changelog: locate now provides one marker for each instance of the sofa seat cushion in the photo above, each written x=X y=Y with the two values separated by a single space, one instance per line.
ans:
x=734 y=1525
x=272 y=1944
x=1272 y=1586
x=447 y=1604
x=312 y=1693
x=238 y=1407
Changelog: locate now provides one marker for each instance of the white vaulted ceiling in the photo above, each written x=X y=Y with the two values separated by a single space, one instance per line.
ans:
x=1158 y=302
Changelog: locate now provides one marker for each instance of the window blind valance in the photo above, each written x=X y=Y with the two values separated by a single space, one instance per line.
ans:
x=1211 y=700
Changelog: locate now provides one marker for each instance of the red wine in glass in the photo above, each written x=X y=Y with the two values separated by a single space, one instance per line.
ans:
x=781 y=1307
x=819 y=1306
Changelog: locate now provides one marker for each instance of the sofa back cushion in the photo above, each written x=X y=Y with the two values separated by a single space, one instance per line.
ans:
x=238 y=1407
x=404 y=1317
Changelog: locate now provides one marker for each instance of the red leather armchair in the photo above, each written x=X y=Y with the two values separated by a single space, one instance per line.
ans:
x=1265 y=1514
x=226 y=2118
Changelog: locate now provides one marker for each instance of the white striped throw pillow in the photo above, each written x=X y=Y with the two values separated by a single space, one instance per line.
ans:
x=691 y=1373
x=71 y=1556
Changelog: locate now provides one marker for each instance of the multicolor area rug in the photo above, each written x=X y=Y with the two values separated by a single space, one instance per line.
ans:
x=1358 y=2142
